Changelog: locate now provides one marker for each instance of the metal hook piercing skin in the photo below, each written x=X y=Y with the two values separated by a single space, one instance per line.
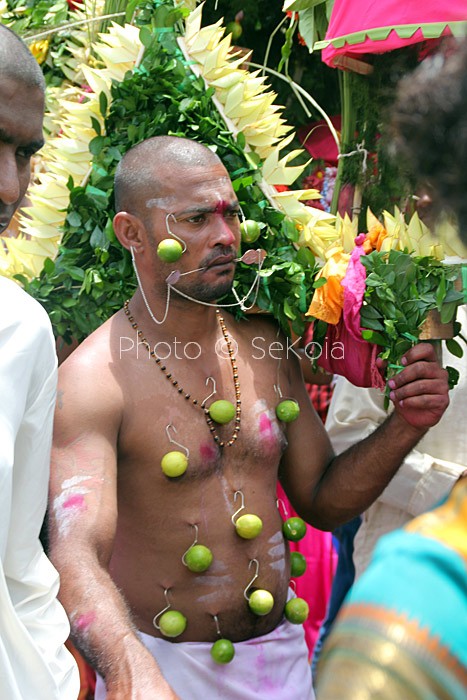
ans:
x=241 y=507
x=218 y=629
x=167 y=607
x=192 y=544
x=278 y=391
x=280 y=504
x=171 y=233
x=245 y=592
x=174 y=442
x=214 y=391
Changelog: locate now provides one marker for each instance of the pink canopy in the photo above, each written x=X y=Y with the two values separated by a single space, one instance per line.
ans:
x=359 y=27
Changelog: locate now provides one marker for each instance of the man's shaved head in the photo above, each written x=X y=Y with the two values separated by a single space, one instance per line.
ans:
x=17 y=62
x=141 y=175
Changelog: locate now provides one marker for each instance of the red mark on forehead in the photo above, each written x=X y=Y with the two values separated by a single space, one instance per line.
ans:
x=222 y=207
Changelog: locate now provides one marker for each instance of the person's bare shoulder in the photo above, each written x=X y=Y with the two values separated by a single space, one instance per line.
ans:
x=90 y=376
x=260 y=326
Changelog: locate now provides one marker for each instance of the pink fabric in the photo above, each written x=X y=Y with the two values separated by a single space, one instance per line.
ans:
x=315 y=584
x=354 y=289
x=349 y=16
x=357 y=361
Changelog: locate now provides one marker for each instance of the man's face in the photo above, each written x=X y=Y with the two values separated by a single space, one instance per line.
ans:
x=21 y=114
x=199 y=206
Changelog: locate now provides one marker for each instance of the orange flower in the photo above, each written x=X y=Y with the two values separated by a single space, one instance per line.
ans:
x=375 y=237
x=328 y=300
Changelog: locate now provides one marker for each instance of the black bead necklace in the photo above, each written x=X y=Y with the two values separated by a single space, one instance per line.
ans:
x=188 y=397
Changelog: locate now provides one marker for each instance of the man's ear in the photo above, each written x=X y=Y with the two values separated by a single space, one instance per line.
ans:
x=130 y=231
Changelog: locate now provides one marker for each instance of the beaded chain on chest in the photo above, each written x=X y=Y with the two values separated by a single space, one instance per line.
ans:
x=187 y=396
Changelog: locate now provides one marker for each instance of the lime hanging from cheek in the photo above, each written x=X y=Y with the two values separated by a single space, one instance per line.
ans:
x=169 y=250
x=250 y=230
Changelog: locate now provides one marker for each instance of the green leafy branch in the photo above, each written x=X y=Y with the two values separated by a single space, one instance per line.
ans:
x=401 y=289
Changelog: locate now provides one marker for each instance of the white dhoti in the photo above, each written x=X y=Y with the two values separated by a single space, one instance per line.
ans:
x=272 y=667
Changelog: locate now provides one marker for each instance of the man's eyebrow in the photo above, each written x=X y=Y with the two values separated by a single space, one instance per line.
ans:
x=34 y=146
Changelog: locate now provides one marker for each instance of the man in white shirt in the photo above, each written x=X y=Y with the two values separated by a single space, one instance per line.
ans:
x=34 y=663
x=426 y=475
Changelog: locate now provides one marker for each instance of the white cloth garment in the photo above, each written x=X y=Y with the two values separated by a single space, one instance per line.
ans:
x=34 y=664
x=428 y=473
x=272 y=667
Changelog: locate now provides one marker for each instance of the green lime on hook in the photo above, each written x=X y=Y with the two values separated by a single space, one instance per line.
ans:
x=172 y=623
x=169 y=250
x=174 y=463
x=287 y=410
x=222 y=411
x=222 y=651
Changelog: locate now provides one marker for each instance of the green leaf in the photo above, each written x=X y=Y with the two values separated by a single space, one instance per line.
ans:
x=96 y=145
x=74 y=219
x=453 y=377
x=319 y=283
x=374 y=337
x=96 y=125
x=454 y=347
x=103 y=104
x=448 y=311
x=49 y=266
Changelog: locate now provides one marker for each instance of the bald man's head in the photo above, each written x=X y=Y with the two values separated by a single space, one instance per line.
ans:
x=17 y=62
x=144 y=170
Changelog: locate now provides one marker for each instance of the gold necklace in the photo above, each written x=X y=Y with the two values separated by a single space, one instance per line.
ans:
x=181 y=391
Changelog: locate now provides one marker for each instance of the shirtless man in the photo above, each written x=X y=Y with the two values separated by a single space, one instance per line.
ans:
x=120 y=526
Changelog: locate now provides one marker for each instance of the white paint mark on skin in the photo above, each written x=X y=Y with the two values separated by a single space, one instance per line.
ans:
x=69 y=503
x=161 y=202
x=279 y=564
x=209 y=597
x=277 y=551
x=277 y=537
x=68 y=483
x=261 y=409
x=213 y=580
x=228 y=495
